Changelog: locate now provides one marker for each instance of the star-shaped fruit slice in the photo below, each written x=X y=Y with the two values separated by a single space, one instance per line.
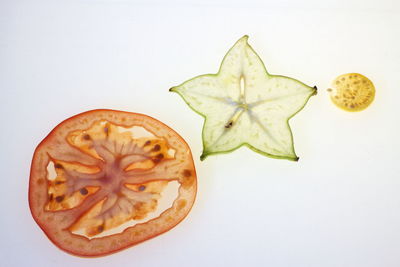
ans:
x=245 y=105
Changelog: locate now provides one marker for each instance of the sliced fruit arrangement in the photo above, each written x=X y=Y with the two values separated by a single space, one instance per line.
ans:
x=99 y=179
x=245 y=105
x=352 y=92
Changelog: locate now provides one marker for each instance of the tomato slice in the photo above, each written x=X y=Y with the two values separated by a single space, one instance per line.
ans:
x=98 y=180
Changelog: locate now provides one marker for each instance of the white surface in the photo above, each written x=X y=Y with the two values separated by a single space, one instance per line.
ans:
x=338 y=206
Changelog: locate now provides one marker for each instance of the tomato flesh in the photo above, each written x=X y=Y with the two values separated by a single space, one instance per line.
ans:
x=93 y=173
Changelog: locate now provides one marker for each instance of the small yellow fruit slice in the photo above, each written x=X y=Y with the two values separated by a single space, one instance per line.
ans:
x=352 y=92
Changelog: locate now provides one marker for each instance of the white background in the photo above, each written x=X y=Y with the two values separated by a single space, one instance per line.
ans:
x=338 y=206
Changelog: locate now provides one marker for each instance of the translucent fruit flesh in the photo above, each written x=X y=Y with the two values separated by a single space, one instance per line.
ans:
x=105 y=180
x=244 y=105
x=352 y=92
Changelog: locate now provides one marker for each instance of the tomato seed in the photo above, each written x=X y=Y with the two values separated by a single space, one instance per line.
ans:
x=142 y=188
x=86 y=137
x=158 y=158
x=58 y=166
x=156 y=148
x=59 y=198
x=148 y=142
x=83 y=191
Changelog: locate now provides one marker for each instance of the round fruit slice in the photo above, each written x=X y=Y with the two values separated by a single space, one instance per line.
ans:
x=352 y=92
x=105 y=180
x=245 y=105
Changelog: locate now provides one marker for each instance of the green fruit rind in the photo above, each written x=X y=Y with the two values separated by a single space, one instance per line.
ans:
x=244 y=105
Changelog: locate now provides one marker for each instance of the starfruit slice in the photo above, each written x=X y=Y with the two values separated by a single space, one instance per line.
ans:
x=244 y=105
